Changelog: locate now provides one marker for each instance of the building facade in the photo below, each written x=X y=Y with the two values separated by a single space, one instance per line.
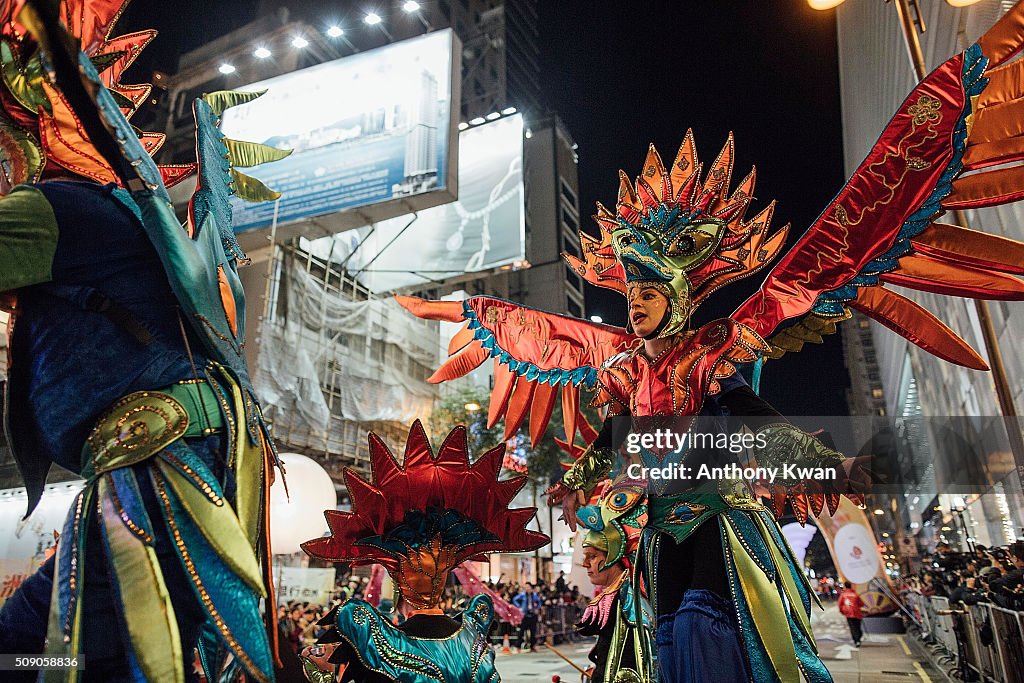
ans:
x=953 y=449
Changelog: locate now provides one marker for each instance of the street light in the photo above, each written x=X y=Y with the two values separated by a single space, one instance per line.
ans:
x=413 y=7
x=373 y=19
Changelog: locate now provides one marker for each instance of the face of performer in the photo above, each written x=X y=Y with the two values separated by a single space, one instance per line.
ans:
x=647 y=308
x=592 y=560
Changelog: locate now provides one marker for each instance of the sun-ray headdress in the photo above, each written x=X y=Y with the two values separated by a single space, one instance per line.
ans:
x=424 y=516
x=681 y=233
x=39 y=132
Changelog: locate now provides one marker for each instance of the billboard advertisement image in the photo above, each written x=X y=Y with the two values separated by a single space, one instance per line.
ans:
x=370 y=129
x=483 y=230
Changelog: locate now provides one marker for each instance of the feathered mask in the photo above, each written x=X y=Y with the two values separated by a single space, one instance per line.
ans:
x=682 y=234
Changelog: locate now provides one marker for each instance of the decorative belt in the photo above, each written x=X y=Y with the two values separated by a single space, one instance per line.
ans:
x=143 y=423
x=680 y=514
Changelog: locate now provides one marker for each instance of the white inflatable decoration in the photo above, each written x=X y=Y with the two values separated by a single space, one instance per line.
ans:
x=302 y=518
x=799 y=537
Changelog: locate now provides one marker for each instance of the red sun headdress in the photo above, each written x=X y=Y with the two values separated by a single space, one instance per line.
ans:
x=422 y=517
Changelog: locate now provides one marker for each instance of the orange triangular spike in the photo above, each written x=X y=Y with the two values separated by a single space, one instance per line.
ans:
x=817 y=501
x=465 y=361
x=684 y=165
x=910 y=320
x=720 y=173
x=832 y=499
x=152 y=142
x=450 y=311
x=540 y=410
x=460 y=339
x=971 y=247
x=504 y=381
x=130 y=45
x=655 y=176
x=173 y=174
x=570 y=407
x=920 y=271
x=1004 y=39
x=628 y=204
x=778 y=500
x=798 y=502
x=518 y=404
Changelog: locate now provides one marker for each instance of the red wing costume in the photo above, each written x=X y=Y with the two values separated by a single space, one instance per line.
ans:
x=684 y=231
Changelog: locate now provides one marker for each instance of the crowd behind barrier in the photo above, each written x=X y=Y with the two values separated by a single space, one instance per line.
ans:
x=968 y=609
x=558 y=609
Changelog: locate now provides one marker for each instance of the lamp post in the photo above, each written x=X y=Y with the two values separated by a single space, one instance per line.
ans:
x=912 y=26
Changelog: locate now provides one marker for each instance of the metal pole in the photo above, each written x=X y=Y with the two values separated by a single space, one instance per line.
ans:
x=988 y=330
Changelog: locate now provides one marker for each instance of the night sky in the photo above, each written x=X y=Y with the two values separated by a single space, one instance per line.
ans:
x=621 y=75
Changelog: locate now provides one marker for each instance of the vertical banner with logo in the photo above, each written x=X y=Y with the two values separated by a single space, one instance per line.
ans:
x=854 y=550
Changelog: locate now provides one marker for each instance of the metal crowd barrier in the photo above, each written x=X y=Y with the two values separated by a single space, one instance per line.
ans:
x=555 y=622
x=982 y=642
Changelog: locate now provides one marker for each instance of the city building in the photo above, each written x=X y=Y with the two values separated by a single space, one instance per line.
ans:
x=951 y=442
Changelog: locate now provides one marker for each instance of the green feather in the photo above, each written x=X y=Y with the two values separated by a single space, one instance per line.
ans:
x=243 y=154
x=222 y=100
x=250 y=189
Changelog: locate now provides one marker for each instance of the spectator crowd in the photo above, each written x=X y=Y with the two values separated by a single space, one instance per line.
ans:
x=981 y=574
x=549 y=612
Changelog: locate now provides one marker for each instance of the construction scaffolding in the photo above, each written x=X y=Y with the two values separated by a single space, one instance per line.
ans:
x=335 y=362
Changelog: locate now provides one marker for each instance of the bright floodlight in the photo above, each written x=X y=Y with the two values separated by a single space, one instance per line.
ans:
x=299 y=42
x=596 y=319
x=411 y=6
x=226 y=69
x=261 y=53
x=335 y=32
x=372 y=19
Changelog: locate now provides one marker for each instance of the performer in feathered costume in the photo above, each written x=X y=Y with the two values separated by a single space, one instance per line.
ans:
x=732 y=603
x=619 y=615
x=127 y=364
x=420 y=518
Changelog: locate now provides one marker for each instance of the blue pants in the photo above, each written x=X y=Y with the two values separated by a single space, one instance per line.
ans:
x=700 y=642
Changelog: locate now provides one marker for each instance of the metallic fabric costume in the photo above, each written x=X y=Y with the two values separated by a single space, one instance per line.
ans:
x=127 y=365
x=684 y=232
x=619 y=616
x=420 y=518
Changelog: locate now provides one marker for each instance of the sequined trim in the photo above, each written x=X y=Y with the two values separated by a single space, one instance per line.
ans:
x=204 y=596
x=123 y=514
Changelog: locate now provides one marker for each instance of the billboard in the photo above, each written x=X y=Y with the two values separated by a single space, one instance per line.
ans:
x=372 y=130
x=483 y=230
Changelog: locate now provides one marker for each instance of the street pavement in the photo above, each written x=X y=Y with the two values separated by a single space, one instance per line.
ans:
x=889 y=658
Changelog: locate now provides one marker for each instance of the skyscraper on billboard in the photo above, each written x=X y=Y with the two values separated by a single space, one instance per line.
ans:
x=421 y=140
